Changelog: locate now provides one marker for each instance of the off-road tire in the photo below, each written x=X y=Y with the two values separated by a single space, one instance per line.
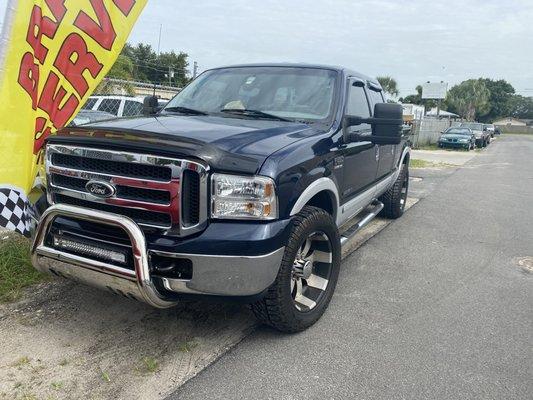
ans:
x=277 y=307
x=392 y=198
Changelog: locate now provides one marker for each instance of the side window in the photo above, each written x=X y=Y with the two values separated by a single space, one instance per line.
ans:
x=375 y=97
x=110 y=106
x=358 y=105
x=132 y=108
x=89 y=104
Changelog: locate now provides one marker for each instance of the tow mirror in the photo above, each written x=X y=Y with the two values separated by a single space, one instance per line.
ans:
x=386 y=124
x=150 y=105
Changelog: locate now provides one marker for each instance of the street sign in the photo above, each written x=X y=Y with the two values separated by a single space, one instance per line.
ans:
x=434 y=90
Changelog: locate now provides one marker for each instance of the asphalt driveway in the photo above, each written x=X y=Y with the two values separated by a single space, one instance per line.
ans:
x=438 y=306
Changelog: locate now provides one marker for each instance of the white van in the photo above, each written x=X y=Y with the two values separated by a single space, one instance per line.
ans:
x=120 y=106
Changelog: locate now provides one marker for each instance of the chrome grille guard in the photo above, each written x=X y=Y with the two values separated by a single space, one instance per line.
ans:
x=134 y=284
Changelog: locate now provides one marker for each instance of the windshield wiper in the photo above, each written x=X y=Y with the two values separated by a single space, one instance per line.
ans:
x=185 y=110
x=254 y=113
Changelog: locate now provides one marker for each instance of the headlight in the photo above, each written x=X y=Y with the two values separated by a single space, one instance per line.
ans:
x=243 y=197
x=479 y=135
x=442 y=139
x=463 y=140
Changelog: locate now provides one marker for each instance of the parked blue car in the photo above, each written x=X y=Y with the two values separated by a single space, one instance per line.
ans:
x=458 y=138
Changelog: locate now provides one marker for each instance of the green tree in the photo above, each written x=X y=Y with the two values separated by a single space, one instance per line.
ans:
x=521 y=107
x=122 y=69
x=470 y=99
x=389 y=85
x=417 y=99
x=501 y=93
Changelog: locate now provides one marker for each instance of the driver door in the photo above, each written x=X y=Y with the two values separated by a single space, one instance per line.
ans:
x=360 y=157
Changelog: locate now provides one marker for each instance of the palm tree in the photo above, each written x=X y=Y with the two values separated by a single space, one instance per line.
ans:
x=389 y=85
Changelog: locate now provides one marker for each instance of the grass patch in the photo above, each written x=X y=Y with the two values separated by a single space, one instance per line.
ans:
x=105 y=376
x=149 y=365
x=415 y=163
x=428 y=147
x=16 y=271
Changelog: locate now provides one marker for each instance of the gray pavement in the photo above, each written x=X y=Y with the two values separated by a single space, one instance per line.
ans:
x=437 y=306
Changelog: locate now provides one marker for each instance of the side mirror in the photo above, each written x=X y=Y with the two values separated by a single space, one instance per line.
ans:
x=150 y=105
x=386 y=124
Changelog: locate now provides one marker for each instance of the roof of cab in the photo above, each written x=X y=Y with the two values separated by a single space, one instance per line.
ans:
x=344 y=70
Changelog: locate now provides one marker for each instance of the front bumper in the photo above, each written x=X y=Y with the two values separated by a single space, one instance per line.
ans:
x=212 y=274
x=455 y=145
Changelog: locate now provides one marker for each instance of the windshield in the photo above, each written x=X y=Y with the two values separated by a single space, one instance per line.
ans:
x=473 y=125
x=458 y=132
x=299 y=94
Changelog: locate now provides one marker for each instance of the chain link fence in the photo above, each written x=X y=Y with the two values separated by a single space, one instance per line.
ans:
x=116 y=98
x=426 y=132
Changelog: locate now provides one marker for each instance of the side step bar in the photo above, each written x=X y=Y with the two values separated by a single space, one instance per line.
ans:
x=377 y=206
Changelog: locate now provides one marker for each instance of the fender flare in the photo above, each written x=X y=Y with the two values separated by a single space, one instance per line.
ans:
x=406 y=151
x=320 y=185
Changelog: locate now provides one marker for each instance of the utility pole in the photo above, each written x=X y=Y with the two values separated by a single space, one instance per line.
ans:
x=195 y=70
x=158 y=48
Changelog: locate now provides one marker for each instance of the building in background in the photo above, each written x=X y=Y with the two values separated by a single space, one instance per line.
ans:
x=413 y=112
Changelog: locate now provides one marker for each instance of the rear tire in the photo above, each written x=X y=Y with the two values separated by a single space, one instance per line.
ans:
x=308 y=274
x=395 y=198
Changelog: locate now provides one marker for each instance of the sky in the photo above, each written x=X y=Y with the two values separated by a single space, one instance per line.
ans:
x=413 y=41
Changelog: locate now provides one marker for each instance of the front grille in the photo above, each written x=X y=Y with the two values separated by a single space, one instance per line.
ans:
x=156 y=192
x=191 y=198
x=143 y=217
x=123 y=192
x=121 y=168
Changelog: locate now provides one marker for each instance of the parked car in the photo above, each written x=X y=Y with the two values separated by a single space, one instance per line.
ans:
x=119 y=106
x=88 y=116
x=240 y=187
x=490 y=128
x=462 y=138
x=482 y=135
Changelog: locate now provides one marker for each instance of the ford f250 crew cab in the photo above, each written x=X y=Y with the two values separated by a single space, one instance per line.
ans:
x=247 y=184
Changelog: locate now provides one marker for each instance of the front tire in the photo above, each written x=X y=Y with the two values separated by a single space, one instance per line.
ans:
x=395 y=198
x=308 y=274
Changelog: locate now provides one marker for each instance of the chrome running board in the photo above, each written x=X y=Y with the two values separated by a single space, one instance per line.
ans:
x=377 y=206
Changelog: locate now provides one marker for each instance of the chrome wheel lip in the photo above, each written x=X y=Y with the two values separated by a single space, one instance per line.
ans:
x=311 y=271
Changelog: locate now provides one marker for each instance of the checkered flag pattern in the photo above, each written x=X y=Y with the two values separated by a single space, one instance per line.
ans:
x=14 y=211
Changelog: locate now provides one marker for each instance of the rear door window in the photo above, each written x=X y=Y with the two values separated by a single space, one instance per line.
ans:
x=110 y=106
x=89 y=104
x=132 y=108
x=375 y=98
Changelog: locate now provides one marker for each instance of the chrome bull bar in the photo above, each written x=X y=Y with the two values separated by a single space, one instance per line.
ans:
x=136 y=284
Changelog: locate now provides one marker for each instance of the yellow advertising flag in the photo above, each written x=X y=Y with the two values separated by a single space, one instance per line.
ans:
x=53 y=54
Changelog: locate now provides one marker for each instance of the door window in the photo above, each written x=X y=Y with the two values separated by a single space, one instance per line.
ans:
x=375 y=98
x=132 y=108
x=110 y=106
x=89 y=104
x=358 y=106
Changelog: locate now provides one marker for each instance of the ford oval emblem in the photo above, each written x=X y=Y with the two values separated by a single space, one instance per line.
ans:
x=100 y=189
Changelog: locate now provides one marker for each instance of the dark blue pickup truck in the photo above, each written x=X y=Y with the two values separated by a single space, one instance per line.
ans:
x=246 y=185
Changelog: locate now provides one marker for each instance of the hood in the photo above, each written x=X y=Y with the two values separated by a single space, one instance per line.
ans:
x=230 y=144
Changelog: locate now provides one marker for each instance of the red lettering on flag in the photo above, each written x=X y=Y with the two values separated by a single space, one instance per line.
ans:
x=29 y=77
x=73 y=59
x=125 y=6
x=52 y=98
x=102 y=32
